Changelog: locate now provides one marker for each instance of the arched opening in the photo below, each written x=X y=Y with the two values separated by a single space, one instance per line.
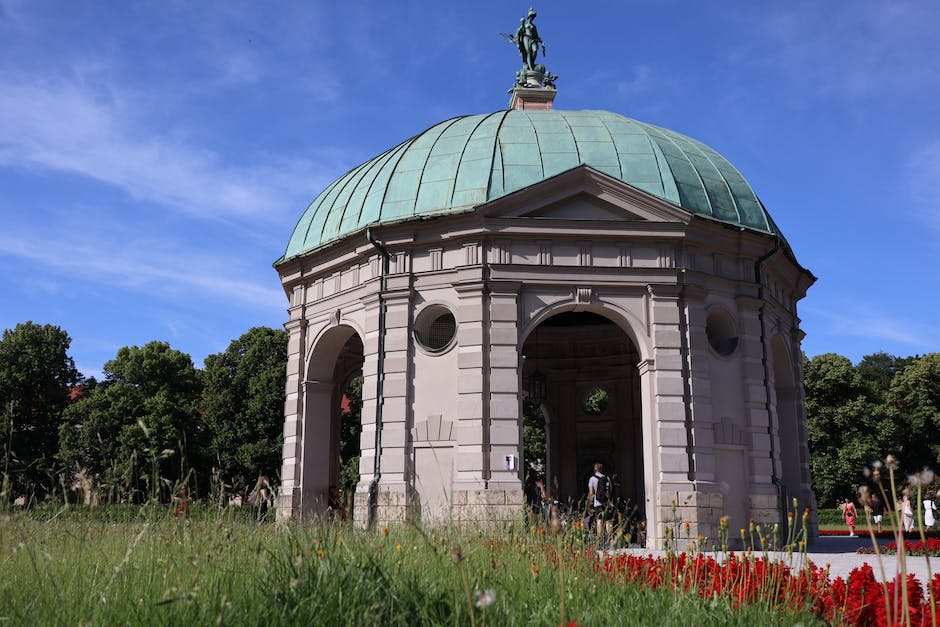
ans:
x=332 y=421
x=582 y=383
x=788 y=428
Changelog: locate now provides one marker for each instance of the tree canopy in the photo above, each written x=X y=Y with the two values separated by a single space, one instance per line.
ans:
x=857 y=414
x=36 y=374
x=139 y=431
x=244 y=406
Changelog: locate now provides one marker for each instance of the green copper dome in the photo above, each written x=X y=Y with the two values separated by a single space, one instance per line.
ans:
x=467 y=161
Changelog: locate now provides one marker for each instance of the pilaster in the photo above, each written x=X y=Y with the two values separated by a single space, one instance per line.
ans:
x=764 y=450
x=289 y=495
x=671 y=443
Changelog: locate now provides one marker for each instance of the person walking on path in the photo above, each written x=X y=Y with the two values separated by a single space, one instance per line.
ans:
x=848 y=512
x=877 y=511
x=930 y=507
x=599 y=496
x=907 y=511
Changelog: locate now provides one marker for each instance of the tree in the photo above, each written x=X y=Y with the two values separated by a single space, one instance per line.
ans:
x=139 y=430
x=846 y=427
x=913 y=401
x=533 y=437
x=859 y=414
x=244 y=406
x=878 y=370
x=349 y=442
x=36 y=374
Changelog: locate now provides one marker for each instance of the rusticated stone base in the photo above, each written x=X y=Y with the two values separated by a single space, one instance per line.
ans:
x=361 y=508
x=687 y=519
x=487 y=506
x=392 y=507
x=288 y=505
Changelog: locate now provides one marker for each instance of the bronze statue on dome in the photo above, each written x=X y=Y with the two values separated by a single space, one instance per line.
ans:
x=528 y=42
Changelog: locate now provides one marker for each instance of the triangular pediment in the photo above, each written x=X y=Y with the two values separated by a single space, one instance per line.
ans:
x=585 y=206
x=585 y=194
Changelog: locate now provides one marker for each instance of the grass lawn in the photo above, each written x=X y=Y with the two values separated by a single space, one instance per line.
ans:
x=132 y=566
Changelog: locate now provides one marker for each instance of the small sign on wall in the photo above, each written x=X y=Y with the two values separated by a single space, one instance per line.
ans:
x=510 y=462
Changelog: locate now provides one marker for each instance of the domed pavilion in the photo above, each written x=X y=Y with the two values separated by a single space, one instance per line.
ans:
x=621 y=280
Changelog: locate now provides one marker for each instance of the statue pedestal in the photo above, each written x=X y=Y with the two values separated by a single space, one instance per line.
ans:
x=532 y=98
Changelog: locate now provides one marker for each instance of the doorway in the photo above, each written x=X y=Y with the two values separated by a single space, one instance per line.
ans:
x=583 y=389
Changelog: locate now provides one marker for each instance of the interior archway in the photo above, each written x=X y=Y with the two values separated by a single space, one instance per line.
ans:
x=335 y=361
x=580 y=369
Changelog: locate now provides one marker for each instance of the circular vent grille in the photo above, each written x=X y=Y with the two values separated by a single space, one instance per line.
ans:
x=435 y=328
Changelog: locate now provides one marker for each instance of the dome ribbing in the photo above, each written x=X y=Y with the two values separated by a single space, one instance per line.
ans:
x=468 y=161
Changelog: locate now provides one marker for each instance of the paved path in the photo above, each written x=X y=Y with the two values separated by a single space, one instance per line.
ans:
x=839 y=552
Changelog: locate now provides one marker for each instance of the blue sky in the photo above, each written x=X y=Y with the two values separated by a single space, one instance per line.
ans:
x=155 y=156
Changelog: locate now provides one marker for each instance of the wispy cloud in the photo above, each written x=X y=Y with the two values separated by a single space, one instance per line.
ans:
x=873 y=325
x=56 y=125
x=138 y=265
x=846 y=51
x=644 y=79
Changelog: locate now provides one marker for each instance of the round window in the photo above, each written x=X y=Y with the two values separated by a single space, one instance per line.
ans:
x=595 y=401
x=721 y=332
x=435 y=328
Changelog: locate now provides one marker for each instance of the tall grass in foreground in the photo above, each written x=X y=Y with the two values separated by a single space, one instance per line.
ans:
x=224 y=569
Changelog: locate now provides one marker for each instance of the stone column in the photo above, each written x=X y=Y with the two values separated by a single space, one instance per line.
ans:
x=701 y=426
x=397 y=474
x=469 y=479
x=289 y=495
x=807 y=497
x=370 y=353
x=676 y=499
x=394 y=467
x=319 y=408
x=504 y=429
x=764 y=459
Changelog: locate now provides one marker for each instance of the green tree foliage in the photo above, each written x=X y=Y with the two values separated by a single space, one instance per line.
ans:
x=244 y=406
x=878 y=370
x=858 y=414
x=36 y=373
x=140 y=431
x=914 y=402
x=349 y=444
x=533 y=437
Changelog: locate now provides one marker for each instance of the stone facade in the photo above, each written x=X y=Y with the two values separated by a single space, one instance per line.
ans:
x=703 y=363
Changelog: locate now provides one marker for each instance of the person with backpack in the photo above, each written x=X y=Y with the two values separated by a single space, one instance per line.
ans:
x=600 y=497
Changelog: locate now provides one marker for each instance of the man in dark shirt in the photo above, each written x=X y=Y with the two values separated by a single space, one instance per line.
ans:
x=877 y=511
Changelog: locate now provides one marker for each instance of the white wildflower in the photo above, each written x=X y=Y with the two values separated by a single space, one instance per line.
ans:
x=485 y=598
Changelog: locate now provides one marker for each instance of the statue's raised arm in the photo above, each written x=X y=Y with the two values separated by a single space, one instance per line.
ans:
x=518 y=39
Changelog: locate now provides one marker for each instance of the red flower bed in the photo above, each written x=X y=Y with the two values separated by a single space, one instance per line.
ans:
x=859 y=601
x=930 y=548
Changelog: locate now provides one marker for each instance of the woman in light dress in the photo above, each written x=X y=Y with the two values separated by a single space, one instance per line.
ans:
x=930 y=519
x=907 y=511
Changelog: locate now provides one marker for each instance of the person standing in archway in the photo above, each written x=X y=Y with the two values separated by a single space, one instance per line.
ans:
x=599 y=495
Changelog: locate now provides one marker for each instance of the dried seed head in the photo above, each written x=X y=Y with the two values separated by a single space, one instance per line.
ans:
x=927 y=476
